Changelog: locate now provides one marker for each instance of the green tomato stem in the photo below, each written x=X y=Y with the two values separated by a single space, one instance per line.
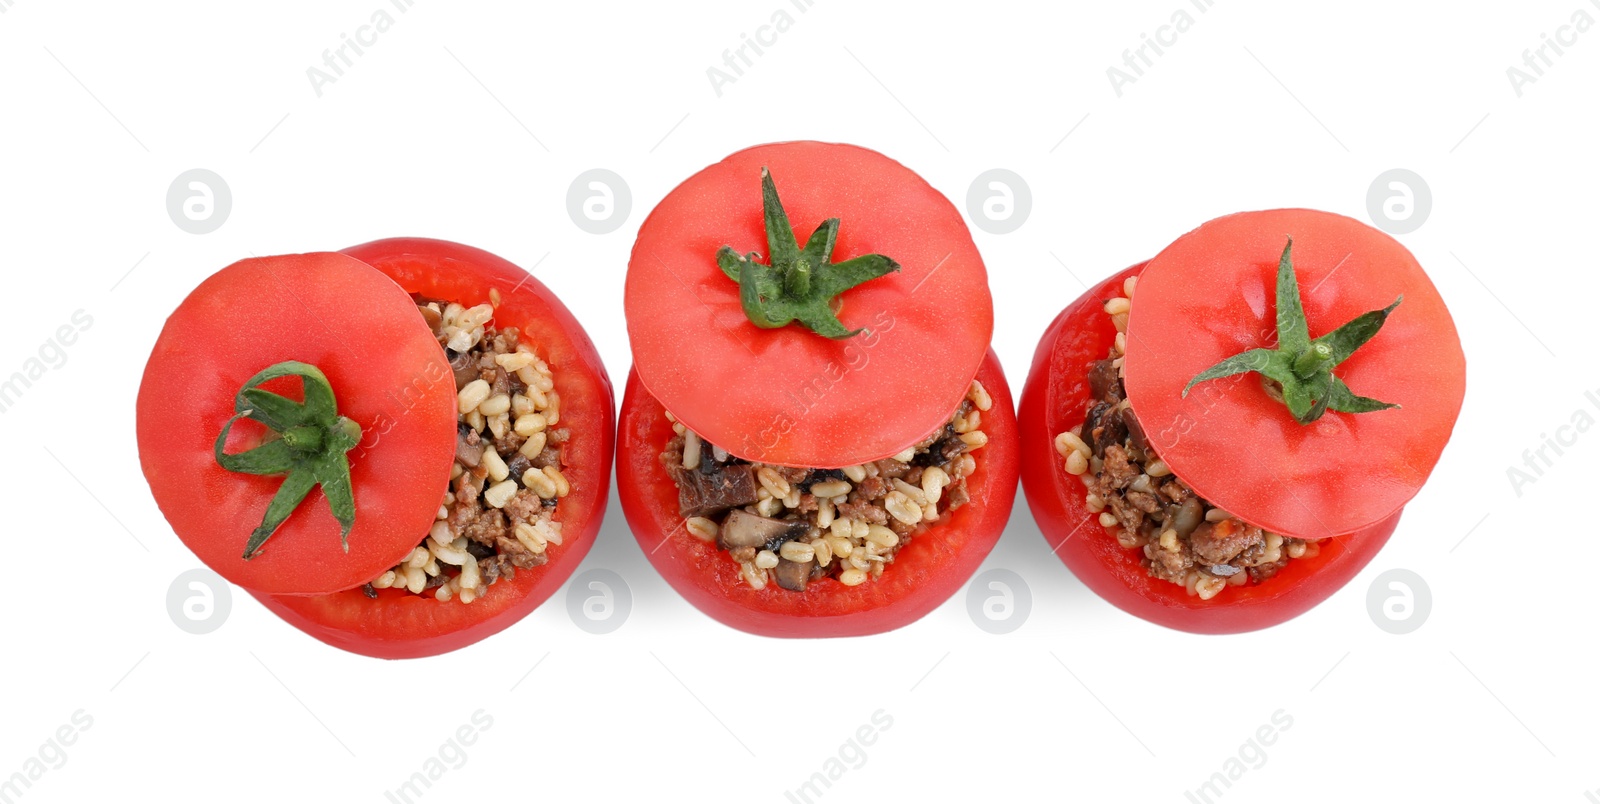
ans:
x=310 y=452
x=1301 y=367
x=797 y=284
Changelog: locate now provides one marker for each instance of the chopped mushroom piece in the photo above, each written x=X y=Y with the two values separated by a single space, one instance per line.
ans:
x=793 y=575
x=744 y=529
x=465 y=367
x=469 y=447
x=706 y=494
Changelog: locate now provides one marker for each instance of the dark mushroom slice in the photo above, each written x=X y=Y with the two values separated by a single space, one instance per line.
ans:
x=744 y=529
x=702 y=494
x=1105 y=384
x=1136 y=436
x=820 y=476
x=518 y=466
x=430 y=315
x=941 y=451
x=469 y=446
x=464 y=366
x=1103 y=428
x=793 y=575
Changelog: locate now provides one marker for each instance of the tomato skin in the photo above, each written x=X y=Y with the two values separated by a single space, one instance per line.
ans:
x=399 y=625
x=1054 y=400
x=788 y=396
x=926 y=572
x=1210 y=295
x=259 y=312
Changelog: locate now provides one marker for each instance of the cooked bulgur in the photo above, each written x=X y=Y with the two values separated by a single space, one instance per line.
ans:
x=1183 y=538
x=507 y=477
x=792 y=526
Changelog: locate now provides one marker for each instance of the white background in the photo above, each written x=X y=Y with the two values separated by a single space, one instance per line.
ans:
x=468 y=121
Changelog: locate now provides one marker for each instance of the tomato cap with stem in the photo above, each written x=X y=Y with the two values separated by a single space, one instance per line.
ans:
x=366 y=339
x=785 y=395
x=1219 y=291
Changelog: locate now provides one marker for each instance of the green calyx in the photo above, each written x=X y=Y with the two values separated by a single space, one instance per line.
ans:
x=1300 y=366
x=797 y=284
x=309 y=450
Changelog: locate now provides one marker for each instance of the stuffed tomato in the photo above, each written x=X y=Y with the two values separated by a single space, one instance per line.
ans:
x=1200 y=460
x=815 y=439
x=400 y=449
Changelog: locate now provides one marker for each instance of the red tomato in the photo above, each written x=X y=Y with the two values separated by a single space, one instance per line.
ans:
x=257 y=313
x=1209 y=296
x=789 y=396
x=398 y=624
x=924 y=574
x=1182 y=290
x=401 y=625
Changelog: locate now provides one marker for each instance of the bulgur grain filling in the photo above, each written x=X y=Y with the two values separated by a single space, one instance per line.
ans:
x=792 y=526
x=1184 y=539
x=498 y=516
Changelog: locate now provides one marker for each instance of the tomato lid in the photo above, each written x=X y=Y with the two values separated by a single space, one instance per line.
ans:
x=784 y=394
x=1213 y=294
x=258 y=324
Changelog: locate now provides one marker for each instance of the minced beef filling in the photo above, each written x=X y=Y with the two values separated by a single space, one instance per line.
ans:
x=506 y=481
x=1184 y=539
x=793 y=526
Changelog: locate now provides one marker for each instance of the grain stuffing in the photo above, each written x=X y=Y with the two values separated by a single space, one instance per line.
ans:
x=1183 y=538
x=795 y=526
x=498 y=515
